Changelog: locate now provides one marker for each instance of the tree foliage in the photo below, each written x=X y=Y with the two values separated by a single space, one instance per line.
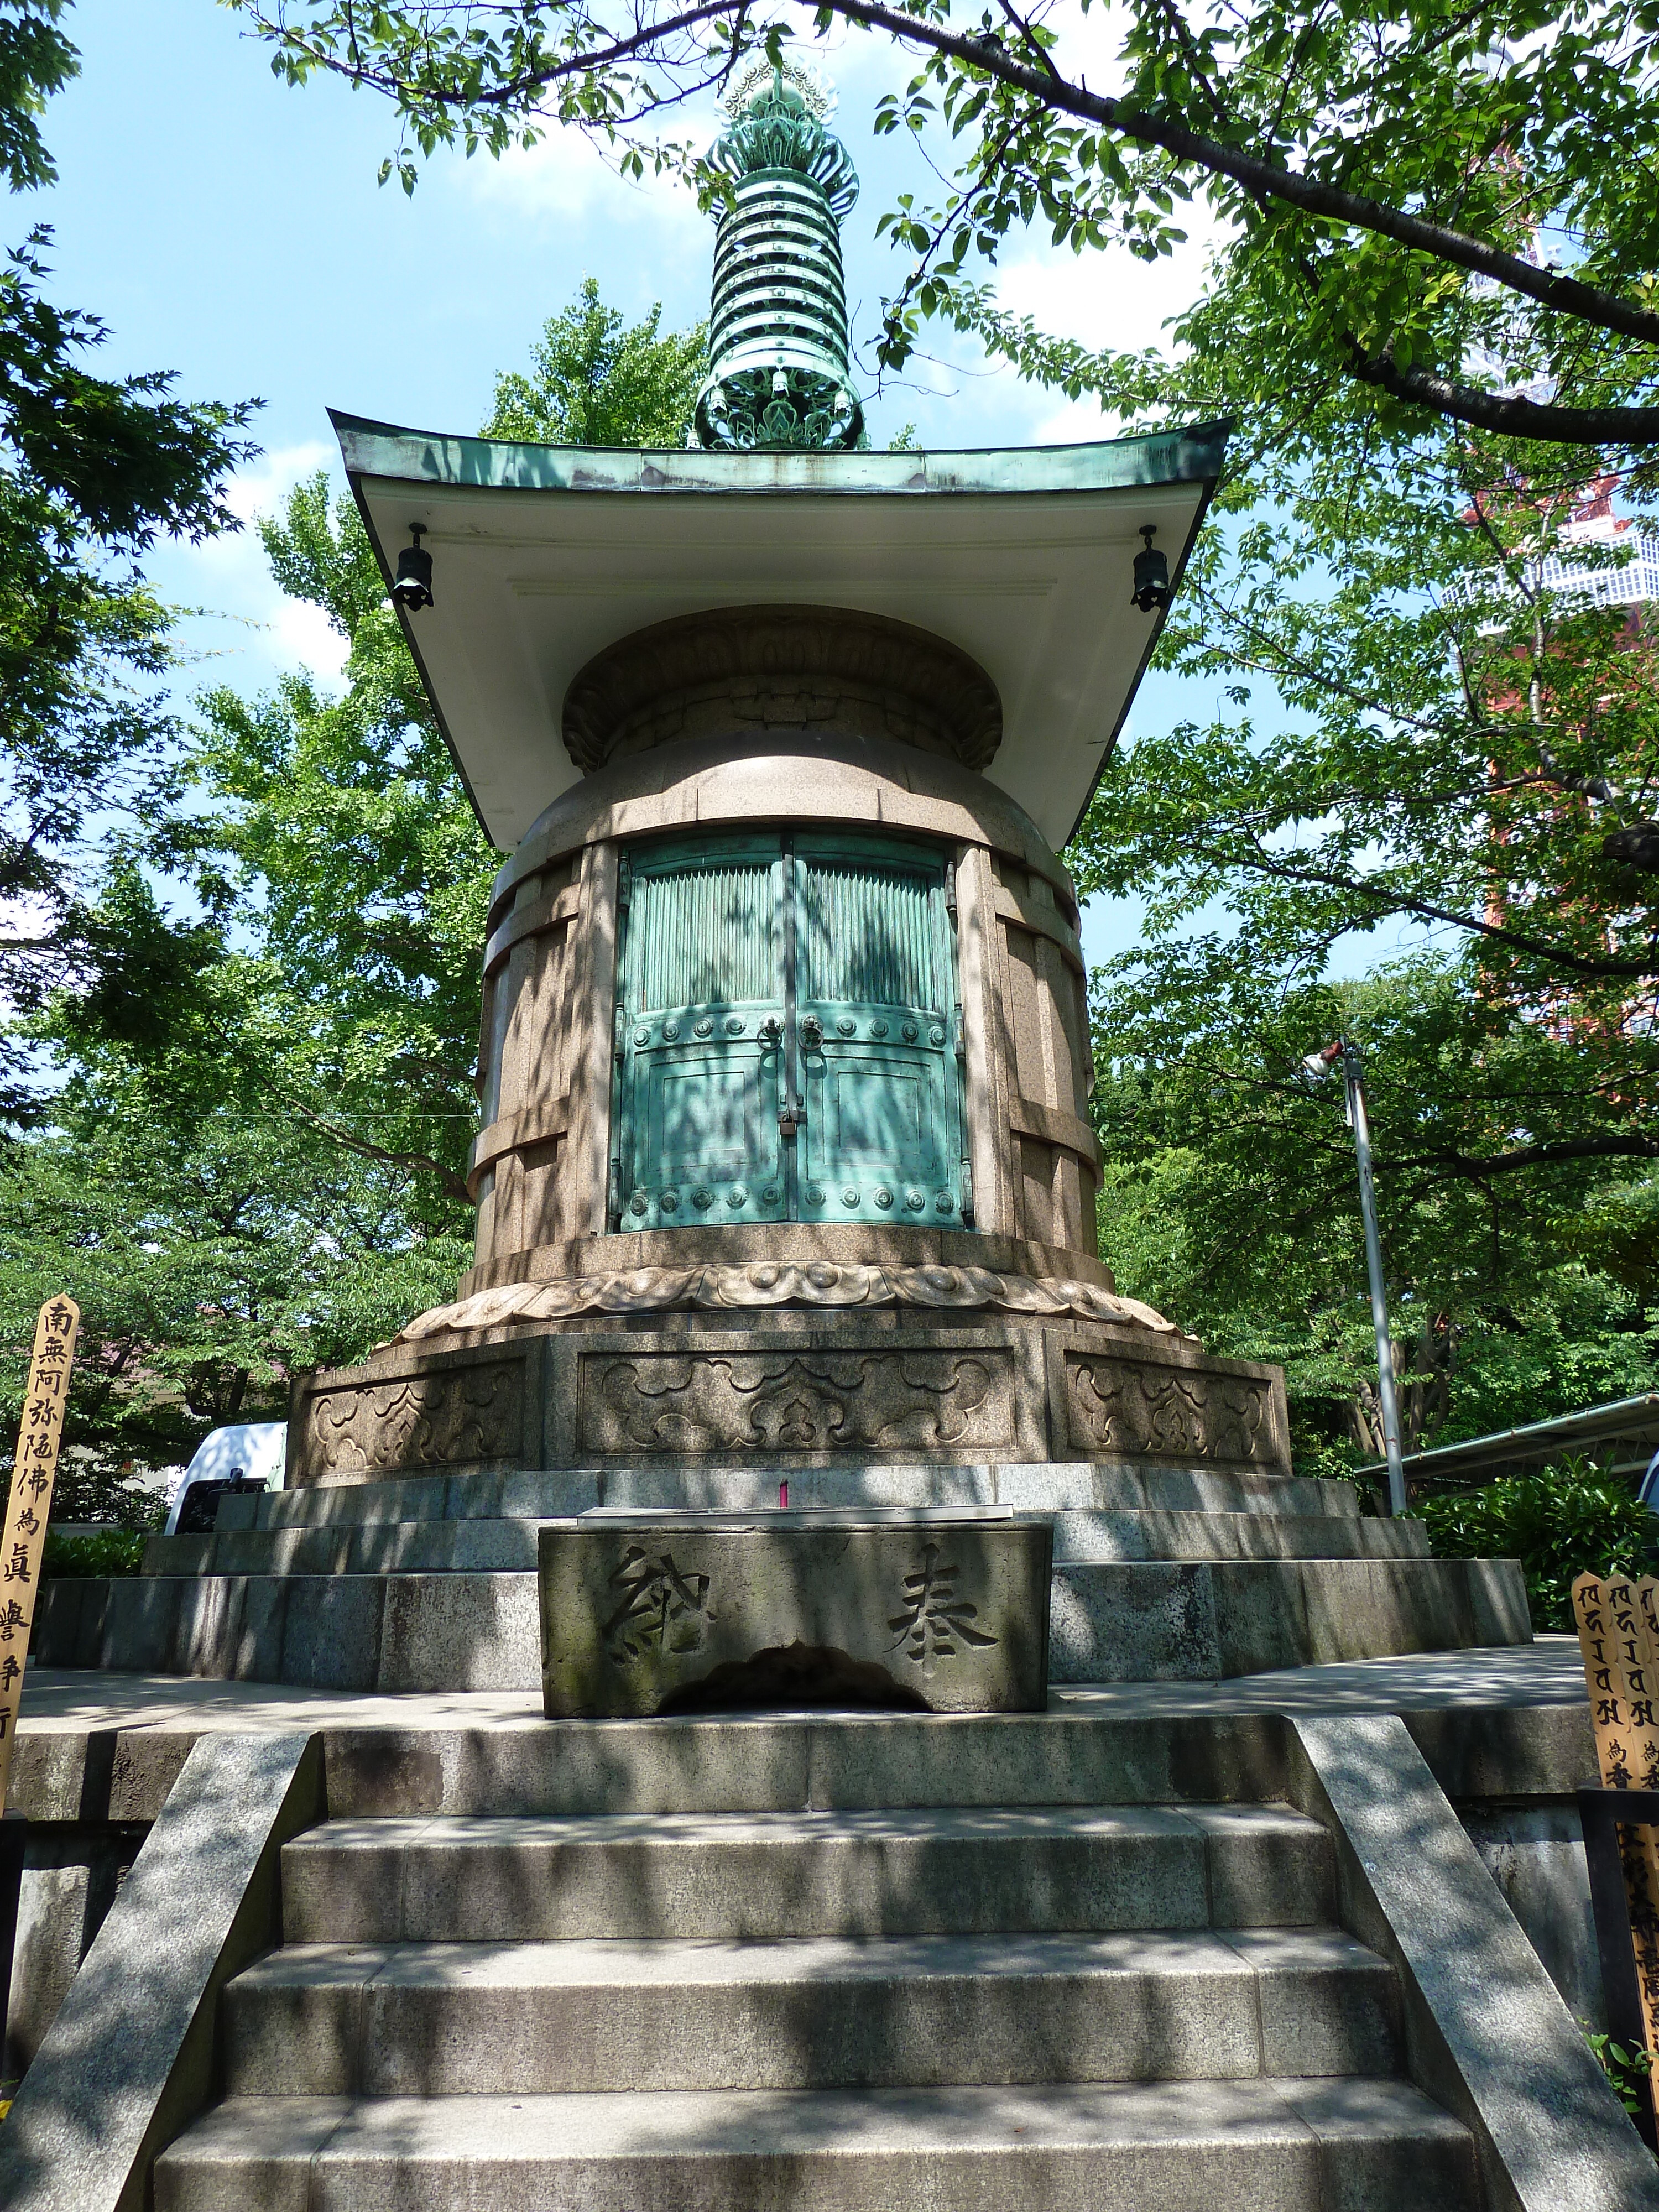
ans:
x=251 y=1154
x=1558 y=1522
x=255 y=1160
x=1231 y=1198
x=91 y=468
x=1381 y=182
x=1410 y=723
x=597 y=381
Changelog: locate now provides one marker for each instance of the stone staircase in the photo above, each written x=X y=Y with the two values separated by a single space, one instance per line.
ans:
x=749 y=2006
x=426 y=1582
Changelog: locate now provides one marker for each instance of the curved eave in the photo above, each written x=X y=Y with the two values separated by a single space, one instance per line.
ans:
x=1022 y=557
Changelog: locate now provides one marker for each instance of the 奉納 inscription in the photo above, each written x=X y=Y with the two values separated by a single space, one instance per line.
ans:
x=935 y=1622
x=661 y=1609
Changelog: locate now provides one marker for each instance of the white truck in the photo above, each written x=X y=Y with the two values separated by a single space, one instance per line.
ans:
x=247 y=1458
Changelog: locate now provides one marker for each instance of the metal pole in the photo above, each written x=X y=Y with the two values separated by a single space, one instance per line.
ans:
x=1353 y=1079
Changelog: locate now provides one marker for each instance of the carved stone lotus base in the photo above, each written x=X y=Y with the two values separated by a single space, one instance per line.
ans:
x=780 y=1283
x=809 y=1385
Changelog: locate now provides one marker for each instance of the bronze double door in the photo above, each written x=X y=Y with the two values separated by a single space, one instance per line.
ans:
x=788 y=1039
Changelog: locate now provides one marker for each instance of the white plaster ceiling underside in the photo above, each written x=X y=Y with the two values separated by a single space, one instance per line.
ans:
x=530 y=583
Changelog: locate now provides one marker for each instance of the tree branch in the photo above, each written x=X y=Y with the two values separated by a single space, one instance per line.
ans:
x=1401 y=903
x=1512 y=417
x=1478 y=1167
x=453 y=1185
x=1561 y=294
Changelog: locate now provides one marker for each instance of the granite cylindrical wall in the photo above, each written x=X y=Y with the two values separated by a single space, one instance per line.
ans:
x=539 y=1168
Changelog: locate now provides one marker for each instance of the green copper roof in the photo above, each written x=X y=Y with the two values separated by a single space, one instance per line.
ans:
x=1189 y=455
x=545 y=554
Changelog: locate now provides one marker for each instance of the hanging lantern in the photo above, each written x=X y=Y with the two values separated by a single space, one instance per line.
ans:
x=1151 y=574
x=412 y=587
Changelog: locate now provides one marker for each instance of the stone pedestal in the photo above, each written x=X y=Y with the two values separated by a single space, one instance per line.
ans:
x=788 y=1389
x=428 y=1583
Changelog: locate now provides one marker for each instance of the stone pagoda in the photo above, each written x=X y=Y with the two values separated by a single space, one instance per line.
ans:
x=785 y=1183
x=785 y=1067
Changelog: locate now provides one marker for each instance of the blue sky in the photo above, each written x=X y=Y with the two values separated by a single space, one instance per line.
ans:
x=231 y=229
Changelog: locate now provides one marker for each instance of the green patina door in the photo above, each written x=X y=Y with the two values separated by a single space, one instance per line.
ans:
x=788 y=1035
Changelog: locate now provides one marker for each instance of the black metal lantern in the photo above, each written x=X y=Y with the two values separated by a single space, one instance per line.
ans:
x=413 y=585
x=1151 y=574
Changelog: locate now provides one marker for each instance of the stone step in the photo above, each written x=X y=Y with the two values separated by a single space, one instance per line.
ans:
x=551 y=1494
x=791 y=1762
x=1291 y=2145
x=479 y=1545
x=1099 y=1537
x=1210 y=1620
x=767 y=1875
x=440 y=2020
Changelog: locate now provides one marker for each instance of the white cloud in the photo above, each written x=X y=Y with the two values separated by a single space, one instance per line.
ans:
x=302 y=637
x=261 y=488
x=566 y=175
x=247 y=631
x=1106 y=298
x=1109 y=298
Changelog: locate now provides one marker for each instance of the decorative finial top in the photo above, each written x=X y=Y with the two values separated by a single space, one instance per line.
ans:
x=778 y=123
x=759 y=78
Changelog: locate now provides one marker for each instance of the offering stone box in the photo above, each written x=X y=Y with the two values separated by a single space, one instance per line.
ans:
x=643 y=1613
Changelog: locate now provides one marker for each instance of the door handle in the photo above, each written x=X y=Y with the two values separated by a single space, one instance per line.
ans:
x=770 y=1030
x=812 y=1030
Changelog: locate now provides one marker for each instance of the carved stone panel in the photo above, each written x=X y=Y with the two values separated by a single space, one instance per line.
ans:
x=796 y=1400
x=451 y=1416
x=1145 y=1410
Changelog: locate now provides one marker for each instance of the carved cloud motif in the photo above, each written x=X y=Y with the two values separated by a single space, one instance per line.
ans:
x=782 y=1282
x=1124 y=1407
x=428 y=1420
x=753 y=1402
